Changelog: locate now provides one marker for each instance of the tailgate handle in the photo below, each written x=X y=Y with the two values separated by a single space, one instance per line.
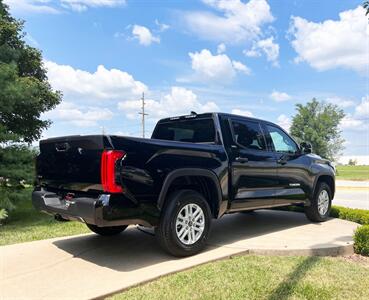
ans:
x=61 y=147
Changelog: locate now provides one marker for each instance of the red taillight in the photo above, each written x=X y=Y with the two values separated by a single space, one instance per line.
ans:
x=108 y=161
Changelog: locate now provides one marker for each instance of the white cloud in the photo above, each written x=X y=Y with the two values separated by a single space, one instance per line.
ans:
x=162 y=27
x=341 y=102
x=279 y=96
x=122 y=133
x=82 y=5
x=144 y=35
x=178 y=102
x=333 y=44
x=31 y=40
x=77 y=115
x=106 y=84
x=362 y=110
x=351 y=123
x=221 y=48
x=266 y=46
x=49 y=6
x=241 y=67
x=358 y=121
x=240 y=21
x=32 y=6
x=215 y=68
x=284 y=122
x=240 y=112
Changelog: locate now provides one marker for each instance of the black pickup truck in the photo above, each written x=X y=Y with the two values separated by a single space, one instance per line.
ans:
x=195 y=168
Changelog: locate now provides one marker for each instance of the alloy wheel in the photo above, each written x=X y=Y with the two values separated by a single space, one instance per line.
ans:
x=190 y=224
x=323 y=202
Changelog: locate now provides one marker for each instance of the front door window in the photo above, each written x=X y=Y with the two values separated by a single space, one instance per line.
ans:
x=281 y=141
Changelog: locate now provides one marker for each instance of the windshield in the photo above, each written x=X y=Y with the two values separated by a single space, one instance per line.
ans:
x=188 y=130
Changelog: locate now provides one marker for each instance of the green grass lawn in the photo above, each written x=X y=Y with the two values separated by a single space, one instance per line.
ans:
x=262 y=277
x=353 y=172
x=26 y=224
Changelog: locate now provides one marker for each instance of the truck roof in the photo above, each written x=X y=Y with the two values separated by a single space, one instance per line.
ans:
x=207 y=115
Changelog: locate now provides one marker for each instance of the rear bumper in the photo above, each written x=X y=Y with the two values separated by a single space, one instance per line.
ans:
x=89 y=210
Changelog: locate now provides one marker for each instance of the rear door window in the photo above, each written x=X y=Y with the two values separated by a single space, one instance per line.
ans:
x=248 y=134
x=187 y=130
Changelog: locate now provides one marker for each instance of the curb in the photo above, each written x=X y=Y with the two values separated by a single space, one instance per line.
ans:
x=328 y=251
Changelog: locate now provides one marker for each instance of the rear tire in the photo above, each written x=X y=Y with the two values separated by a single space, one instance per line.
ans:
x=106 y=231
x=320 y=205
x=184 y=223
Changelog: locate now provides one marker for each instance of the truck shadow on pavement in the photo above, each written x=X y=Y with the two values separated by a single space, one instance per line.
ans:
x=134 y=249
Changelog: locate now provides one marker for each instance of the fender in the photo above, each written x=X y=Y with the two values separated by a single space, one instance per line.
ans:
x=189 y=172
x=328 y=174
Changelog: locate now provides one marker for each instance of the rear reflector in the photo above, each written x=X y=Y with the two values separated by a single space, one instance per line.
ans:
x=108 y=162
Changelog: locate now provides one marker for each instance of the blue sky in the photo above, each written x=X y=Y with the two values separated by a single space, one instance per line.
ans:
x=254 y=57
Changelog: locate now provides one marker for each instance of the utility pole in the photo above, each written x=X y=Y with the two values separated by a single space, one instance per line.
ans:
x=143 y=114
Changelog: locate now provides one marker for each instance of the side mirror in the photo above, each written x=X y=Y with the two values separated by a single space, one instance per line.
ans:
x=306 y=147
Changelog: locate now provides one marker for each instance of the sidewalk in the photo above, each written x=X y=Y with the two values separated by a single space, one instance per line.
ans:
x=89 y=266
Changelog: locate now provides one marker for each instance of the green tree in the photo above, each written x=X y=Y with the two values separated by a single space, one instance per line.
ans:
x=318 y=123
x=366 y=6
x=25 y=94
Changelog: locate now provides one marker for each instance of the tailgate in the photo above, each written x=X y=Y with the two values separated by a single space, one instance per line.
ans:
x=72 y=162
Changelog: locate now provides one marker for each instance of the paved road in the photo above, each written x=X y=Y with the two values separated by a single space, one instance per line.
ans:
x=354 y=194
x=352 y=197
x=89 y=266
x=352 y=184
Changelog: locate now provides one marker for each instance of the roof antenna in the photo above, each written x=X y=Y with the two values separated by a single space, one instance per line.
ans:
x=193 y=113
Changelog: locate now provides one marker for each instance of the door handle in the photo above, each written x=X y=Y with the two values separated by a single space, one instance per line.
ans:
x=242 y=159
x=282 y=160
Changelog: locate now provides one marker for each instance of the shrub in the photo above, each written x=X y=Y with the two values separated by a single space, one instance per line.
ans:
x=361 y=240
x=6 y=204
x=16 y=173
x=360 y=216
x=3 y=215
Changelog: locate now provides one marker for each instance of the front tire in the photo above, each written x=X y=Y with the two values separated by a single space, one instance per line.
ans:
x=320 y=205
x=184 y=224
x=107 y=231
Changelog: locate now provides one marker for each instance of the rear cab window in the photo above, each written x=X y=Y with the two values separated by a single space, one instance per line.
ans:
x=191 y=130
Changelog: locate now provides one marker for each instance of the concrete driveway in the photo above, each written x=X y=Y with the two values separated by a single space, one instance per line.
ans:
x=89 y=266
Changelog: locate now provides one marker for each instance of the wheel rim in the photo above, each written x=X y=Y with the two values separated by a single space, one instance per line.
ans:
x=190 y=224
x=323 y=202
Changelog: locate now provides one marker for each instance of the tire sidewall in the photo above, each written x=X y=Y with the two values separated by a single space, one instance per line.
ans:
x=177 y=202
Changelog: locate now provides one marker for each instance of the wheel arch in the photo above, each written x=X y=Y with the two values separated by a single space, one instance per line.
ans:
x=328 y=179
x=204 y=181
